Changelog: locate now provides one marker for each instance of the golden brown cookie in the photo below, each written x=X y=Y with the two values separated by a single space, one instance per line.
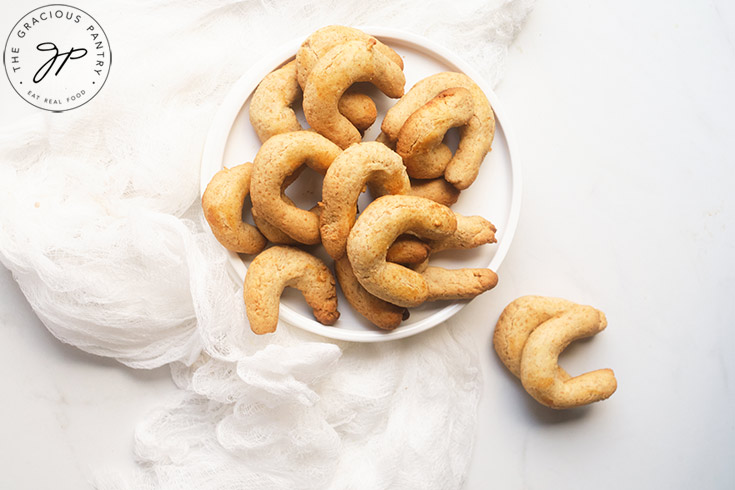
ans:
x=345 y=180
x=530 y=335
x=517 y=322
x=475 y=137
x=471 y=232
x=277 y=159
x=273 y=233
x=457 y=283
x=380 y=313
x=270 y=107
x=277 y=268
x=334 y=73
x=357 y=108
x=321 y=41
x=222 y=203
x=438 y=190
x=438 y=158
x=420 y=139
x=376 y=229
x=408 y=250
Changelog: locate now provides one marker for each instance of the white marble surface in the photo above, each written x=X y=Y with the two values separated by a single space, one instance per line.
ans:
x=623 y=111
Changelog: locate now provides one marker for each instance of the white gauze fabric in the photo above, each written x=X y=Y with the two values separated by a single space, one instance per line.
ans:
x=101 y=227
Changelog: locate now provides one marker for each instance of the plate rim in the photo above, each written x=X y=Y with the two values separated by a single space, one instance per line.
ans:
x=231 y=105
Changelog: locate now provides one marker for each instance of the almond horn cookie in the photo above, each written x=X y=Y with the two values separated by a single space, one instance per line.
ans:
x=376 y=229
x=475 y=137
x=334 y=73
x=438 y=158
x=530 y=335
x=270 y=107
x=345 y=180
x=438 y=190
x=421 y=136
x=222 y=203
x=471 y=232
x=277 y=268
x=321 y=41
x=273 y=233
x=380 y=313
x=408 y=250
x=357 y=107
x=277 y=159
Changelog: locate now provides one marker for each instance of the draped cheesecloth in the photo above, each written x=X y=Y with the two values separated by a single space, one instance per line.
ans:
x=100 y=227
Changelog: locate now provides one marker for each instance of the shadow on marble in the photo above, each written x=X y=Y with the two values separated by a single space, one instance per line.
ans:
x=549 y=416
x=540 y=413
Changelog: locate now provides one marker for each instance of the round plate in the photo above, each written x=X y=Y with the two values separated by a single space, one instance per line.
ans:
x=495 y=194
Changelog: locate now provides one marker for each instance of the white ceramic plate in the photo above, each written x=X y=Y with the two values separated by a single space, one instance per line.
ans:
x=495 y=194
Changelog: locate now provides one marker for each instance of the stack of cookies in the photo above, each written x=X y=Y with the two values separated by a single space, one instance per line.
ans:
x=381 y=256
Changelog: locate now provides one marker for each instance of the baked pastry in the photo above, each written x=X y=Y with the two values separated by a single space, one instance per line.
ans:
x=376 y=229
x=336 y=71
x=344 y=182
x=531 y=333
x=278 y=158
x=475 y=137
x=420 y=138
x=277 y=268
x=222 y=203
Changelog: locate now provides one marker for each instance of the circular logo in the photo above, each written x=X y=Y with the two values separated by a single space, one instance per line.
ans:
x=57 y=57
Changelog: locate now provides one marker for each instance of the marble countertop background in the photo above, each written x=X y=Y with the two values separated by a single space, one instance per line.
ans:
x=624 y=116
